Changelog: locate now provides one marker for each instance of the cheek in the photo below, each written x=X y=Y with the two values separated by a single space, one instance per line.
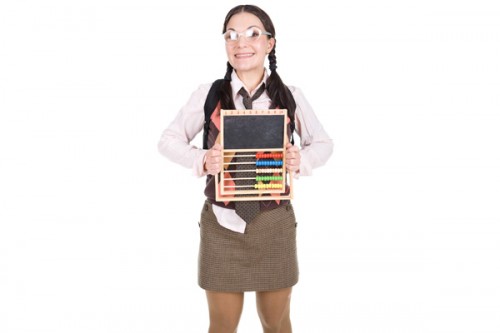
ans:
x=229 y=55
x=261 y=48
x=267 y=46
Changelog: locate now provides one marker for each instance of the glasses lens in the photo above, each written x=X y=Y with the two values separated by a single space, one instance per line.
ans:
x=230 y=36
x=253 y=33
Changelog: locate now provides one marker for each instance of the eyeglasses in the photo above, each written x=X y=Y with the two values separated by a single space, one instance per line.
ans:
x=252 y=34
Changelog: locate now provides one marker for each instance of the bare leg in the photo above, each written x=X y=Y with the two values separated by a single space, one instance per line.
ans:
x=225 y=311
x=274 y=310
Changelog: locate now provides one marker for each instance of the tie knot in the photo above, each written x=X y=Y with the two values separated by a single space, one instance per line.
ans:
x=244 y=93
x=247 y=100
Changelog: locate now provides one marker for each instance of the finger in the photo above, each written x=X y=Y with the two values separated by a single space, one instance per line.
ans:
x=217 y=146
x=213 y=169
x=292 y=153
x=213 y=155
x=214 y=158
x=214 y=151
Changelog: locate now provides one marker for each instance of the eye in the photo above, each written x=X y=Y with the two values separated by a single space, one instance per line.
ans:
x=233 y=35
x=252 y=33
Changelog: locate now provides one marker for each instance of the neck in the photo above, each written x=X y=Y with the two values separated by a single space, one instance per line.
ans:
x=251 y=79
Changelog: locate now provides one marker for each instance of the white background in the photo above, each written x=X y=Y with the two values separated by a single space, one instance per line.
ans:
x=398 y=232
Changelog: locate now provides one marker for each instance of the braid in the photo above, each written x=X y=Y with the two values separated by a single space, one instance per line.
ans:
x=272 y=58
x=278 y=92
x=229 y=71
x=226 y=93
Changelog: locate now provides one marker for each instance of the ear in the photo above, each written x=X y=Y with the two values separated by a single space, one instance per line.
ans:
x=270 y=45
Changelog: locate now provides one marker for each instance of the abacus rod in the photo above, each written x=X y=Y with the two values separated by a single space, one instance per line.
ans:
x=245 y=155
x=233 y=186
x=263 y=170
x=238 y=178
x=252 y=186
x=234 y=163
x=254 y=162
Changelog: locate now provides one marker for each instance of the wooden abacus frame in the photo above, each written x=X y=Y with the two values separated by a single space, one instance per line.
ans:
x=271 y=178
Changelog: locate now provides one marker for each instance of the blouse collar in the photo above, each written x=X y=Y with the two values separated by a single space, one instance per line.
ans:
x=237 y=84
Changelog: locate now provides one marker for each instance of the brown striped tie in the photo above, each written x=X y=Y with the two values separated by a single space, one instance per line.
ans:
x=247 y=210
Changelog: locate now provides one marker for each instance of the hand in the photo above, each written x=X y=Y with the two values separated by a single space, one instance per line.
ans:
x=213 y=160
x=292 y=158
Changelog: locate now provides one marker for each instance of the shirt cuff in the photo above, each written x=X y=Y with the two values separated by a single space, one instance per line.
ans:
x=305 y=167
x=199 y=161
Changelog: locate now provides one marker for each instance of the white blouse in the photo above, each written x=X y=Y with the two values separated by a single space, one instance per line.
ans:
x=175 y=143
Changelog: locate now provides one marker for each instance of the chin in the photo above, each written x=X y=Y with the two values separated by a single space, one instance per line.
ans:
x=245 y=67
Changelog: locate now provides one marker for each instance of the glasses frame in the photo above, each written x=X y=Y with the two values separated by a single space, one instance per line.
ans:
x=243 y=33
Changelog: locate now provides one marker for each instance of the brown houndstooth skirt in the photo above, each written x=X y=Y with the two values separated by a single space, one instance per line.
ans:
x=263 y=258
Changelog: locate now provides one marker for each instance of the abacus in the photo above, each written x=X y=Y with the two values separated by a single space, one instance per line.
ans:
x=254 y=140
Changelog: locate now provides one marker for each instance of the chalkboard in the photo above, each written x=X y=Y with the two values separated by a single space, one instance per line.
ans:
x=253 y=131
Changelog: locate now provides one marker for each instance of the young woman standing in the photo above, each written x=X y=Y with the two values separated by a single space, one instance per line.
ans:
x=257 y=254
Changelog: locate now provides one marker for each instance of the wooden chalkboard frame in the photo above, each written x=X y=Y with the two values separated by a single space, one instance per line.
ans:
x=233 y=123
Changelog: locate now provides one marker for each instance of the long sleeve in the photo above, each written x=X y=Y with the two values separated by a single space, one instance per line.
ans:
x=316 y=145
x=175 y=142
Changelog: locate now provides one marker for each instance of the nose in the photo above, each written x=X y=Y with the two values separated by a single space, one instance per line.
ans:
x=241 y=41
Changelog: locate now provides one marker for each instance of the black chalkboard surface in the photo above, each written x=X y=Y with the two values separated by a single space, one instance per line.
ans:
x=253 y=131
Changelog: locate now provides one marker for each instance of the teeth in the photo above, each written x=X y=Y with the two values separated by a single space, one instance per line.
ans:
x=243 y=55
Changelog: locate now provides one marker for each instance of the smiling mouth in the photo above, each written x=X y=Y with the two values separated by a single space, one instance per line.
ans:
x=243 y=55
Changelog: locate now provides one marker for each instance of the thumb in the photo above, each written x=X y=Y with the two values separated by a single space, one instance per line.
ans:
x=217 y=146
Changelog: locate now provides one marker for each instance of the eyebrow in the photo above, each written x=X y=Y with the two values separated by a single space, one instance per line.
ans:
x=252 y=26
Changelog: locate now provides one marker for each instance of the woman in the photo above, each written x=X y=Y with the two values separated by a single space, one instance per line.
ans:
x=236 y=255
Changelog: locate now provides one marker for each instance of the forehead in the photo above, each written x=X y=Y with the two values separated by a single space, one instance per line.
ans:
x=242 y=21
